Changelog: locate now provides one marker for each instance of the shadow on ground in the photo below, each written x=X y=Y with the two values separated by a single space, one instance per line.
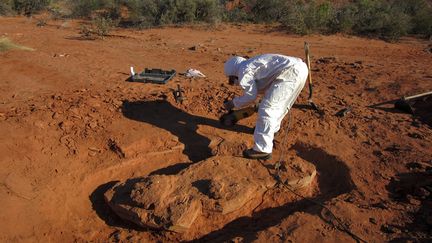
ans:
x=417 y=186
x=162 y=114
x=422 y=109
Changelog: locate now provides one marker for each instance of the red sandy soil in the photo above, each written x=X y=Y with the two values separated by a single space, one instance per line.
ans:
x=71 y=126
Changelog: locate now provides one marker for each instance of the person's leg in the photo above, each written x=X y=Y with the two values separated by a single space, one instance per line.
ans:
x=280 y=96
x=300 y=72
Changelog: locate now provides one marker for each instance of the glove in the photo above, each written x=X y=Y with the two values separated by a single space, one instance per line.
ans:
x=229 y=105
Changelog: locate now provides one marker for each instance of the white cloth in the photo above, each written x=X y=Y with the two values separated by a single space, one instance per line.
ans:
x=194 y=73
x=280 y=78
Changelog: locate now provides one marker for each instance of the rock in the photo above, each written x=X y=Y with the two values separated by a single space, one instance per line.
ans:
x=326 y=60
x=413 y=201
x=94 y=149
x=414 y=166
x=415 y=135
x=92 y=153
x=297 y=173
x=372 y=220
x=93 y=124
x=237 y=239
x=381 y=205
x=60 y=55
x=174 y=201
x=65 y=125
x=219 y=185
x=421 y=192
x=390 y=229
x=156 y=202
x=219 y=146
x=350 y=199
x=39 y=124
x=193 y=48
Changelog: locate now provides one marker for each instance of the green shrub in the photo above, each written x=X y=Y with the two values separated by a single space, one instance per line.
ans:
x=142 y=13
x=6 y=7
x=397 y=24
x=388 y=19
x=371 y=17
x=294 y=19
x=184 y=11
x=209 y=11
x=422 y=22
x=147 y=13
x=378 y=18
x=238 y=14
x=84 y=8
x=29 y=6
x=420 y=12
x=343 y=19
x=102 y=26
x=267 y=11
x=167 y=12
x=306 y=17
x=86 y=32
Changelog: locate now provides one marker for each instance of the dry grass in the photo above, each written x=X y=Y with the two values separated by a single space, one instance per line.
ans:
x=6 y=45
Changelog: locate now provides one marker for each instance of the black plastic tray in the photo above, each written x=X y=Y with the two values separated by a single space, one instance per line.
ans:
x=156 y=76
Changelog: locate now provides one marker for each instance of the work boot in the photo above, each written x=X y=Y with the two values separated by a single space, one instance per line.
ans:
x=252 y=154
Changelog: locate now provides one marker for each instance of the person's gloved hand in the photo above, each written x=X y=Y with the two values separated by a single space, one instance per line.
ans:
x=229 y=105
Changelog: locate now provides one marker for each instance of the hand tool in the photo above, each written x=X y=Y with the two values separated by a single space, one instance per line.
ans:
x=233 y=116
x=314 y=106
x=405 y=103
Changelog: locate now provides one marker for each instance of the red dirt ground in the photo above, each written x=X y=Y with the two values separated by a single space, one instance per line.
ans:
x=66 y=106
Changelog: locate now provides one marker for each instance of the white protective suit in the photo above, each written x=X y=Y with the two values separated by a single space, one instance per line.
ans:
x=280 y=78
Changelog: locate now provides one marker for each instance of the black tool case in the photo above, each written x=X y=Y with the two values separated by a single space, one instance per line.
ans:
x=156 y=76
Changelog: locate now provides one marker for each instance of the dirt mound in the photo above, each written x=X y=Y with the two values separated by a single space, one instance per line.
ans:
x=220 y=185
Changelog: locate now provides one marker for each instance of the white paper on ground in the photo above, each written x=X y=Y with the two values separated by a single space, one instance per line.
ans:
x=193 y=73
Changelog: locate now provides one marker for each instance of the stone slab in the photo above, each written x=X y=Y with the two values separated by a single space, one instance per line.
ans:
x=221 y=184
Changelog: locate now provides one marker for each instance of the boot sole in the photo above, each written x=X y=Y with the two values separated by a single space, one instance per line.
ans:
x=266 y=157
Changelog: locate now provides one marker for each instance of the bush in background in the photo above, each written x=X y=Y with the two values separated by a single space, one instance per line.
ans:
x=420 y=14
x=102 y=26
x=84 y=8
x=344 y=19
x=308 y=17
x=29 y=7
x=6 y=7
x=209 y=11
x=389 y=19
x=267 y=11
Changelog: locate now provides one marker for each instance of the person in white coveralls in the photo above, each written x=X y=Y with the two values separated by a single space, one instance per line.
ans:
x=280 y=79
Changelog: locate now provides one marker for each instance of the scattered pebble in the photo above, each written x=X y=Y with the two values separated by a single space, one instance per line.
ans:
x=381 y=205
x=390 y=229
x=60 y=55
x=94 y=149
